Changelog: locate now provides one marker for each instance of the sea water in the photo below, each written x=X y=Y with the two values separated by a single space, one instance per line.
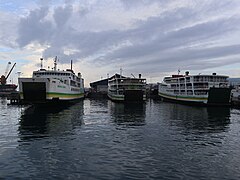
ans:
x=100 y=139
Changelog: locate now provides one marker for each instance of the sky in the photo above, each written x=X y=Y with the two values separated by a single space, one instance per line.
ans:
x=155 y=38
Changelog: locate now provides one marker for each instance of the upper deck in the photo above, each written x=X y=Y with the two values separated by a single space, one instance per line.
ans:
x=121 y=80
x=200 y=78
x=68 y=74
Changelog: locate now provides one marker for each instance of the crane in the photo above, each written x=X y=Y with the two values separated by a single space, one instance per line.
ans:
x=7 y=68
x=3 y=78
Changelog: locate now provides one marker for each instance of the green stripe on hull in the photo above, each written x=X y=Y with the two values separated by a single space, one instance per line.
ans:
x=63 y=95
x=116 y=98
x=50 y=95
x=184 y=98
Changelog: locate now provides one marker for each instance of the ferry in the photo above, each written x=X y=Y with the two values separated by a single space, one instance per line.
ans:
x=126 y=89
x=199 y=89
x=51 y=86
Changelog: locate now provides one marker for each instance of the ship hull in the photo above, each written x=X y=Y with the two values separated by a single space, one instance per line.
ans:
x=7 y=89
x=42 y=90
x=215 y=97
x=128 y=96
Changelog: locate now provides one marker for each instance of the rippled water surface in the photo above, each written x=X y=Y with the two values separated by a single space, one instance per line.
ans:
x=100 y=139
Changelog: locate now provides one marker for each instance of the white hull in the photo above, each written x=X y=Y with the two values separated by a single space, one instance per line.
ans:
x=184 y=98
x=120 y=97
x=54 y=89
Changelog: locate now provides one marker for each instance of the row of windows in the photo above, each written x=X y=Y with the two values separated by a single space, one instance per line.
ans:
x=74 y=89
x=198 y=79
x=50 y=73
x=190 y=93
x=56 y=74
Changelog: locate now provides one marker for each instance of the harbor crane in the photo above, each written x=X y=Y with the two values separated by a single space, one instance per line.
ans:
x=3 y=79
x=7 y=69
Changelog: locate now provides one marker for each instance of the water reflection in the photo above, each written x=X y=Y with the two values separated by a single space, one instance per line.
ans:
x=3 y=100
x=203 y=119
x=176 y=142
x=131 y=114
x=39 y=122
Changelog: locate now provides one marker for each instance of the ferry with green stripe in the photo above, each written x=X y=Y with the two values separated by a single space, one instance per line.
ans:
x=51 y=85
x=203 y=89
x=127 y=89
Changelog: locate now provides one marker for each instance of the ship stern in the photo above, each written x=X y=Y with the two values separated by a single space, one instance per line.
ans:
x=219 y=96
x=33 y=90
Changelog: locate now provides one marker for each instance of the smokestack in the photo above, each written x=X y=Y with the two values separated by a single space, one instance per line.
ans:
x=139 y=76
x=187 y=73
x=71 y=65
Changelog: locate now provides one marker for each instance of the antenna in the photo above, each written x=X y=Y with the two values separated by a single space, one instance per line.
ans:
x=55 y=63
x=133 y=75
x=121 y=72
x=178 y=71
x=71 y=65
x=41 y=59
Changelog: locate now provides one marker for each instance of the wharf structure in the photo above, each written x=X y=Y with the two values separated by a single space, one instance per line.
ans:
x=99 y=89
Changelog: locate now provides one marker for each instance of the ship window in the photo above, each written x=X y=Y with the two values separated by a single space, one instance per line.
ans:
x=53 y=81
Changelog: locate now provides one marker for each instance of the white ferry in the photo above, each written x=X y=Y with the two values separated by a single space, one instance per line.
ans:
x=122 y=88
x=51 y=86
x=202 y=89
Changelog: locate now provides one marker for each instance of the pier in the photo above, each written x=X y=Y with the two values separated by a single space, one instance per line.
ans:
x=14 y=98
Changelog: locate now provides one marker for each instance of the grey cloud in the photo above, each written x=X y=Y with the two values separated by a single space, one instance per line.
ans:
x=177 y=38
x=8 y=30
x=134 y=3
x=62 y=14
x=158 y=43
x=191 y=58
x=34 y=28
x=44 y=2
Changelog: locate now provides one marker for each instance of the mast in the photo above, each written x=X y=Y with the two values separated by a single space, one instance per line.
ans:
x=55 y=64
x=41 y=59
x=121 y=72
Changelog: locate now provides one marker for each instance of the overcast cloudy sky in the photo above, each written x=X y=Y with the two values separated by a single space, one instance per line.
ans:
x=151 y=37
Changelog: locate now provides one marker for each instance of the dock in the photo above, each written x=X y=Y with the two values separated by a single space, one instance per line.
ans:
x=14 y=98
x=235 y=98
